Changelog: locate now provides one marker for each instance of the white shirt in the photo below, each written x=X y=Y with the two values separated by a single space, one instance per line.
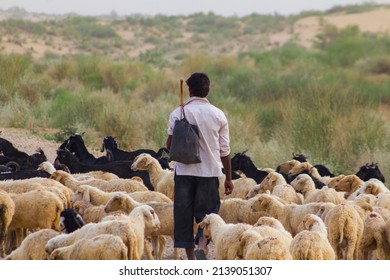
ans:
x=214 y=137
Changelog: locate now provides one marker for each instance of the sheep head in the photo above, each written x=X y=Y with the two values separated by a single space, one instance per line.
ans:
x=300 y=182
x=263 y=203
x=364 y=202
x=349 y=183
x=142 y=162
x=268 y=182
x=334 y=181
x=115 y=203
x=299 y=168
x=152 y=220
x=82 y=193
x=205 y=225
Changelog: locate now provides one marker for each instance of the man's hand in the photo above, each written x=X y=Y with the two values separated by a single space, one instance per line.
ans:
x=228 y=187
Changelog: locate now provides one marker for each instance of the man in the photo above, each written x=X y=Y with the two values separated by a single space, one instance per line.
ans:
x=196 y=185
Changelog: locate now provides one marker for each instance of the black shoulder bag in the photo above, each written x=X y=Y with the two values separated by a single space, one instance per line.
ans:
x=185 y=138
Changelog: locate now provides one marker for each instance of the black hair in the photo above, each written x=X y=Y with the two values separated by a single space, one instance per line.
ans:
x=199 y=83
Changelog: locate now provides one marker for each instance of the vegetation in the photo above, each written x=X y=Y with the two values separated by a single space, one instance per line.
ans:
x=326 y=102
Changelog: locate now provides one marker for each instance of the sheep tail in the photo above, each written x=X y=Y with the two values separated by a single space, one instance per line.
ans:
x=342 y=222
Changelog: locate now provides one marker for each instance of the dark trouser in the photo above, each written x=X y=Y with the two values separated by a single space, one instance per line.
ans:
x=194 y=198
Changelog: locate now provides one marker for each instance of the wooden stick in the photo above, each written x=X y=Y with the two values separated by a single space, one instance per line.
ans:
x=181 y=93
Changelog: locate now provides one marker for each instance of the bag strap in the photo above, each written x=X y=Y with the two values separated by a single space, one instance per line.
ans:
x=182 y=100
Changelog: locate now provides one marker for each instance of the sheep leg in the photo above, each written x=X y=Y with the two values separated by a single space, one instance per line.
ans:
x=155 y=245
x=350 y=250
x=148 y=250
x=161 y=247
x=10 y=241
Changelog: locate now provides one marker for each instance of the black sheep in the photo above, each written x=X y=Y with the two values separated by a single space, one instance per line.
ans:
x=70 y=220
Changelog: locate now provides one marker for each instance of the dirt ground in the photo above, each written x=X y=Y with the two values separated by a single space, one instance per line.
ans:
x=25 y=141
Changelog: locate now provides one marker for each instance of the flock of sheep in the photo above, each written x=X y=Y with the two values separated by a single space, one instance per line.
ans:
x=277 y=219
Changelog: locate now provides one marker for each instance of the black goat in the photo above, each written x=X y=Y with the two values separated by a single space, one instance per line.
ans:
x=76 y=145
x=121 y=168
x=70 y=220
x=242 y=162
x=370 y=170
x=24 y=160
x=112 y=148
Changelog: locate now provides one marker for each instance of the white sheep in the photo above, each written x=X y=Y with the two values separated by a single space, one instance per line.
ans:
x=345 y=229
x=100 y=247
x=92 y=194
x=270 y=181
x=312 y=243
x=225 y=236
x=275 y=184
x=266 y=227
x=36 y=210
x=271 y=222
x=373 y=186
x=92 y=213
x=304 y=184
x=145 y=222
x=97 y=174
x=7 y=210
x=149 y=196
x=333 y=181
x=304 y=166
x=254 y=246
x=290 y=215
x=47 y=166
x=387 y=231
x=37 y=183
x=123 y=202
x=33 y=246
x=141 y=220
x=114 y=185
x=374 y=237
x=383 y=200
x=19 y=186
x=237 y=210
x=161 y=179
x=350 y=184
x=242 y=187
x=366 y=203
x=286 y=166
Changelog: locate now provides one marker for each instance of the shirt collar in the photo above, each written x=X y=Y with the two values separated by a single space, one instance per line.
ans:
x=196 y=98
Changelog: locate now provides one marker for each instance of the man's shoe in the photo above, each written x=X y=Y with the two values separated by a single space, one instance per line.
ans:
x=200 y=255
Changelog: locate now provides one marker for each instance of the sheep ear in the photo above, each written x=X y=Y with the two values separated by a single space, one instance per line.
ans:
x=86 y=196
x=150 y=212
x=308 y=224
x=148 y=160
x=375 y=190
x=367 y=206
x=204 y=223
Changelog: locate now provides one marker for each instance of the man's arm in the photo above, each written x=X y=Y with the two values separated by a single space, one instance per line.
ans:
x=226 y=162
